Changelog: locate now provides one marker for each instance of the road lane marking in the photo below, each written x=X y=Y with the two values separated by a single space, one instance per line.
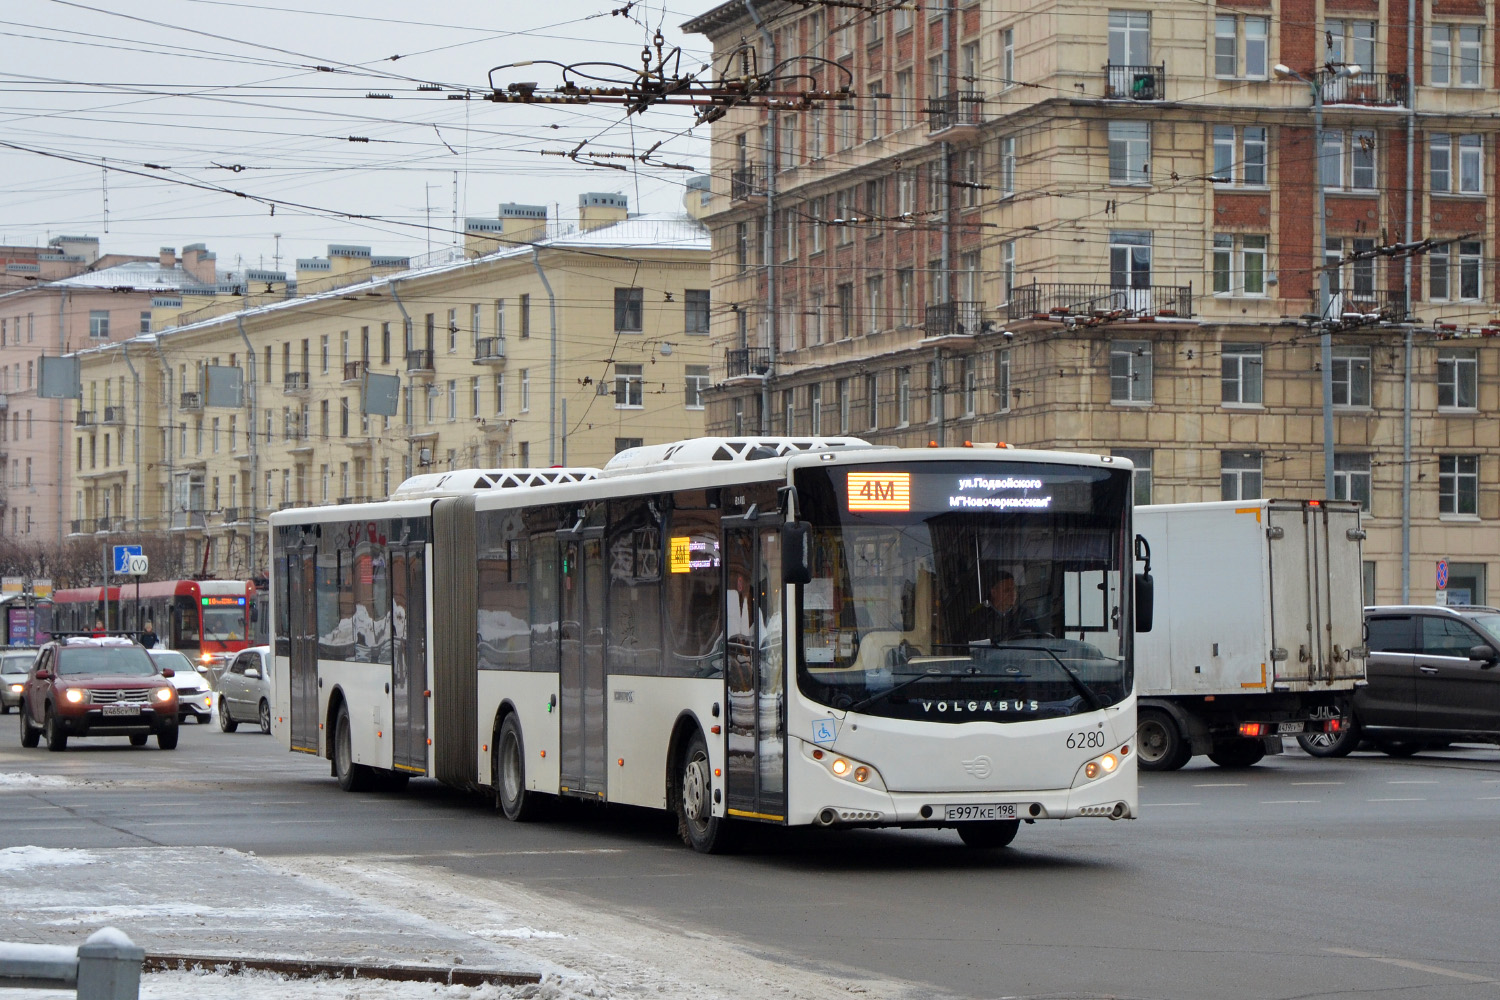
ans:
x=1435 y=970
x=1159 y=805
x=1289 y=802
x=1222 y=784
x=1488 y=798
x=1413 y=781
x=1317 y=782
x=1395 y=800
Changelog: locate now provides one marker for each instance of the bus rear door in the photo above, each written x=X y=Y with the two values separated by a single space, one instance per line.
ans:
x=581 y=670
x=409 y=659
x=302 y=606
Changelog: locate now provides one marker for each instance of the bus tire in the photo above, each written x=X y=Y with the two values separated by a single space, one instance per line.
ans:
x=989 y=835
x=1236 y=754
x=226 y=721
x=1159 y=743
x=352 y=777
x=508 y=770
x=698 y=827
x=29 y=737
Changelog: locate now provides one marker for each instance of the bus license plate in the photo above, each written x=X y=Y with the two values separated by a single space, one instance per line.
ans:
x=1289 y=727
x=996 y=810
x=122 y=710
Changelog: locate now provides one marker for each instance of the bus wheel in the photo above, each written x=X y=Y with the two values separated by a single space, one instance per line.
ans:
x=508 y=772
x=352 y=777
x=996 y=833
x=1159 y=743
x=696 y=824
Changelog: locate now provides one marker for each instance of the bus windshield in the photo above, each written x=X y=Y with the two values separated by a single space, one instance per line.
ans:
x=958 y=592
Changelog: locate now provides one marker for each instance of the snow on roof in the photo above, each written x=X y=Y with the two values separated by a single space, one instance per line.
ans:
x=140 y=275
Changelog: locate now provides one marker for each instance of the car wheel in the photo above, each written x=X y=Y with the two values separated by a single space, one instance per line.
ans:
x=352 y=777
x=52 y=730
x=265 y=717
x=1400 y=748
x=997 y=833
x=226 y=721
x=1339 y=744
x=29 y=737
x=508 y=772
x=167 y=738
x=699 y=828
x=1236 y=754
x=1158 y=742
x=137 y=739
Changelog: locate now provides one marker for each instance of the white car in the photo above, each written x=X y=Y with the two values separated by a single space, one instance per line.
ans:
x=245 y=690
x=195 y=695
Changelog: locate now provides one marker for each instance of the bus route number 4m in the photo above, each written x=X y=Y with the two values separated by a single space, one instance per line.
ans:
x=879 y=491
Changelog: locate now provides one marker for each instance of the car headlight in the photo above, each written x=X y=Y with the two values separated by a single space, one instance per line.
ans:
x=164 y=694
x=15 y=689
x=74 y=695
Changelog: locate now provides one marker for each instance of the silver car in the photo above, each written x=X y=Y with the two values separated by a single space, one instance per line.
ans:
x=245 y=690
x=14 y=664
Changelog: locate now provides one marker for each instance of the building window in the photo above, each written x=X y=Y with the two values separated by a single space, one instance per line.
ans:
x=628 y=306
x=323 y=353
x=1242 y=367
x=1129 y=38
x=815 y=409
x=1240 y=155
x=969 y=386
x=906 y=192
x=695 y=310
x=1458 y=484
x=903 y=397
x=1350 y=42
x=1141 y=459
x=1007 y=58
x=905 y=297
x=99 y=324
x=905 y=99
x=452 y=399
x=872 y=402
x=499 y=394
x=1229 y=31
x=629 y=387
x=815 y=223
x=1470 y=173
x=847 y=316
x=1130 y=371
x=874 y=303
x=1351 y=478
x=526 y=390
x=1008 y=167
x=1129 y=152
x=1239 y=475
x=1454 y=55
x=1239 y=264
x=146 y=321
x=624 y=444
x=1351 y=376
x=1348 y=160
x=1441 y=283
x=1001 y=388
x=1129 y=261
x=696 y=379
x=1007 y=270
x=1458 y=379
x=789 y=411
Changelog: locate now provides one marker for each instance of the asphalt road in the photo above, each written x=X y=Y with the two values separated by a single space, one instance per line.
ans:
x=1363 y=877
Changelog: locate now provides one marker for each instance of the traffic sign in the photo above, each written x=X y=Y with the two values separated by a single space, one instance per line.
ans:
x=122 y=557
x=138 y=566
x=1442 y=574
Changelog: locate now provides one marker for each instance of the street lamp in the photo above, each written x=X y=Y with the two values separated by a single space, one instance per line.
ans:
x=1315 y=84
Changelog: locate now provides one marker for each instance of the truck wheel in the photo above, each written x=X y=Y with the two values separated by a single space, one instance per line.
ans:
x=1158 y=742
x=1237 y=753
x=993 y=834
x=1339 y=744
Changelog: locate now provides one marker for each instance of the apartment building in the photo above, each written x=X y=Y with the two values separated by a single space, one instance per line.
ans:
x=542 y=346
x=1095 y=226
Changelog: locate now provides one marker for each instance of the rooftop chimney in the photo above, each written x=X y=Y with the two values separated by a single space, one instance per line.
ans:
x=198 y=262
x=168 y=257
x=597 y=210
x=523 y=223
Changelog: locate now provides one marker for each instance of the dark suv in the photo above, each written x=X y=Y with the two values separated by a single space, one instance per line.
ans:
x=104 y=686
x=1433 y=678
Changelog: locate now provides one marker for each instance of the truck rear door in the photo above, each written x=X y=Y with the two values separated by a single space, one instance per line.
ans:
x=1316 y=612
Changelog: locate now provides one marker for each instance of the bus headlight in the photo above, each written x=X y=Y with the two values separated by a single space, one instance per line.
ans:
x=845 y=768
x=74 y=695
x=1106 y=763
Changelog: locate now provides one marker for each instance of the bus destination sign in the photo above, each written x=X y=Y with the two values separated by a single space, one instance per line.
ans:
x=999 y=491
x=223 y=602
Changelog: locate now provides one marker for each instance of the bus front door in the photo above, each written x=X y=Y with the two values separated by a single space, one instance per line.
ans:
x=754 y=674
x=409 y=658
x=581 y=675
x=302 y=607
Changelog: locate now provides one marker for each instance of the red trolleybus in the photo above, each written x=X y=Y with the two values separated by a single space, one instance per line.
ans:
x=208 y=620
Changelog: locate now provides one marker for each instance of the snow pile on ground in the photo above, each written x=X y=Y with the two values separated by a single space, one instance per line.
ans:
x=17 y=780
x=271 y=986
x=14 y=859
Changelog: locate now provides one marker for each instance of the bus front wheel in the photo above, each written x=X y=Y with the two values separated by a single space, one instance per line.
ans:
x=508 y=769
x=992 y=834
x=699 y=828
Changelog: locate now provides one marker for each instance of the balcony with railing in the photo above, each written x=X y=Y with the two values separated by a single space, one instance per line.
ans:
x=747 y=184
x=419 y=362
x=489 y=351
x=747 y=362
x=84 y=418
x=354 y=370
x=231 y=515
x=190 y=401
x=1058 y=300
x=114 y=415
x=1135 y=83
x=1389 y=306
x=960 y=110
x=1370 y=90
x=295 y=382
x=956 y=319
x=105 y=525
x=183 y=518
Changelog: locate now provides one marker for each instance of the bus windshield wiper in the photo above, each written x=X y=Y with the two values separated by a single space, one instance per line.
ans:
x=872 y=699
x=1083 y=689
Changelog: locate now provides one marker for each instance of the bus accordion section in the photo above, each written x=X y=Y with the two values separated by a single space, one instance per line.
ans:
x=741 y=631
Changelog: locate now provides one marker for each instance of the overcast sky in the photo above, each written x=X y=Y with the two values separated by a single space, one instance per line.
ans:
x=228 y=93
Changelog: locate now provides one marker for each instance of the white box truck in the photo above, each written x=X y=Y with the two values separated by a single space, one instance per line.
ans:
x=1259 y=627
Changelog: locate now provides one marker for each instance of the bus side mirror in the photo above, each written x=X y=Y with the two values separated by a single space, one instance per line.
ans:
x=1144 y=601
x=796 y=552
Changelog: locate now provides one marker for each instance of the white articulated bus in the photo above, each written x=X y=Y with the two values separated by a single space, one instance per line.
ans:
x=743 y=631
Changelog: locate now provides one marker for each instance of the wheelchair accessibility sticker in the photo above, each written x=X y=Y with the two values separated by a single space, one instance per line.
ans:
x=824 y=731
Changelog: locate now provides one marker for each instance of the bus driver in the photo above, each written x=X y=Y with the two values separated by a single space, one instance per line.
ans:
x=1001 y=617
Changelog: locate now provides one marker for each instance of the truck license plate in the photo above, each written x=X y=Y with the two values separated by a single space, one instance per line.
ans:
x=964 y=814
x=1289 y=727
x=122 y=710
